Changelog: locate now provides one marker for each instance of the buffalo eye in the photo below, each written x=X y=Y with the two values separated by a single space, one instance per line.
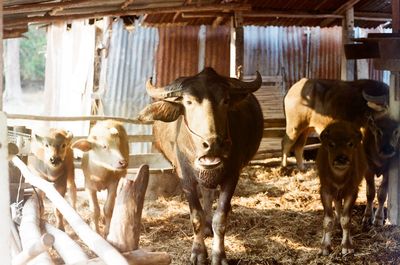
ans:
x=350 y=144
x=105 y=146
x=188 y=102
x=63 y=145
x=396 y=133
x=47 y=145
x=332 y=144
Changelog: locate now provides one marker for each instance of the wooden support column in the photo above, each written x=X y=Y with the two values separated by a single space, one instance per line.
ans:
x=237 y=46
x=5 y=229
x=394 y=170
x=348 y=66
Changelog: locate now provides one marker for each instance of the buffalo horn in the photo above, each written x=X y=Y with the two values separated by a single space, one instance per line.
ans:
x=173 y=90
x=246 y=87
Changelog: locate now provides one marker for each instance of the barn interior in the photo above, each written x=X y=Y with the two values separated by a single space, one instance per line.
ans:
x=99 y=55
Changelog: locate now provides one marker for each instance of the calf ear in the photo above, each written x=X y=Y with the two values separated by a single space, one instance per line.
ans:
x=38 y=138
x=161 y=111
x=83 y=144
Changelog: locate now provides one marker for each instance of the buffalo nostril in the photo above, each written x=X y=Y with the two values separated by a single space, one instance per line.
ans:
x=206 y=145
x=52 y=159
x=122 y=163
x=388 y=149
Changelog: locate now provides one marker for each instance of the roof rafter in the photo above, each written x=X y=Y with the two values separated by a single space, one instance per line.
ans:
x=340 y=11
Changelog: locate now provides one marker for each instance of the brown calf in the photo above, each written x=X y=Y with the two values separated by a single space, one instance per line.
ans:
x=53 y=161
x=341 y=165
x=381 y=143
x=104 y=162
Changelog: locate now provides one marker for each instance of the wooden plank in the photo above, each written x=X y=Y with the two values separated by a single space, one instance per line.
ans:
x=347 y=67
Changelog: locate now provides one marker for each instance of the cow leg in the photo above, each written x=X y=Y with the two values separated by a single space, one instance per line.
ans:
x=299 y=148
x=288 y=141
x=328 y=223
x=367 y=219
x=220 y=222
x=109 y=205
x=345 y=221
x=94 y=207
x=338 y=211
x=382 y=194
x=59 y=218
x=199 y=251
x=207 y=197
x=72 y=189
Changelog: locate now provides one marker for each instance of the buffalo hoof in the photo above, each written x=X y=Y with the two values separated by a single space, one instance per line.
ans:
x=378 y=221
x=347 y=251
x=199 y=255
x=366 y=222
x=325 y=250
x=219 y=259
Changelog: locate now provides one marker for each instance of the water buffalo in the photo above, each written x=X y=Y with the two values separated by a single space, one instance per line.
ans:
x=341 y=165
x=312 y=104
x=104 y=162
x=209 y=127
x=381 y=144
x=53 y=160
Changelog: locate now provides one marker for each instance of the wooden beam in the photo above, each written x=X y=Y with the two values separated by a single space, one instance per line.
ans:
x=127 y=12
x=126 y=4
x=341 y=10
x=294 y=14
x=396 y=15
x=347 y=66
x=26 y=8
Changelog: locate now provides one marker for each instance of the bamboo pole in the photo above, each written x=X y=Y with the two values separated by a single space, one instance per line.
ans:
x=93 y=240
x=34 y=244
x=72 y=118
x=68 y=249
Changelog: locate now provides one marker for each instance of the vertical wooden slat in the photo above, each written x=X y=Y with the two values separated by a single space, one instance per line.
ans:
x=347 y=35
x=5 y=230
x=394 y=170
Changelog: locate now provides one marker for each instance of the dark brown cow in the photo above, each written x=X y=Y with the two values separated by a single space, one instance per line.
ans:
x=312 y=104
x=209 y=127
x=381 y=144
x=104 y=162
x=53 y=160
x=341 y=165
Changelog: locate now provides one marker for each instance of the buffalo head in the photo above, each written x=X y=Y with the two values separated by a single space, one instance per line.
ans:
x=341 y=140
x=385 y=132
x=201 y=104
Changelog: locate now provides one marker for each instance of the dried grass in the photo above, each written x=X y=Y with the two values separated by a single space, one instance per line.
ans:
x=276 y=218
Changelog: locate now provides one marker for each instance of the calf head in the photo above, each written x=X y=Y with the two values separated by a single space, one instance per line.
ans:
x=54 y=145
x=108 y=145
x=203 y=101
x=385 y=132
x=340 y=140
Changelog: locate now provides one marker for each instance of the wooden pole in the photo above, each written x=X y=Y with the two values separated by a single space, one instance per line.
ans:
x=37 y=248
x=394 y=169
x=237 y=46
x=93 y=240
x=5 y=230
x=126 y=219
x=33 y=247
x=68 y=249
x=347 y=68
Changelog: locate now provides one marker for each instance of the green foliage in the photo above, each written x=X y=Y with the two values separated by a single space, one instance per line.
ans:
x=32 y=54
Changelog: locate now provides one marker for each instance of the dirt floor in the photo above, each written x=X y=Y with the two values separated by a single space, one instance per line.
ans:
x=276 y=218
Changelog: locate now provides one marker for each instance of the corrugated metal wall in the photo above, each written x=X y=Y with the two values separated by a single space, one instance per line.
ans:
x=217 y=49
x=177 y=53
x=130 y=63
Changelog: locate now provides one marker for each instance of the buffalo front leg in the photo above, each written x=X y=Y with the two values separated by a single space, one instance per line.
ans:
x=382 y=194
x=299 y=148
x=199 y=251
x=367 y=218
x=220 y=221
x=345 y=222
x=59 y=218
x=94 y=207
x=328 y=223
x=109 y=205
x=207 y=199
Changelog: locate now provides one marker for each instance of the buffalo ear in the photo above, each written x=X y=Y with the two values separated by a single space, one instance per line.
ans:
x=161 y=111
x=82 y=144
x=38 y=138
x=324 y=135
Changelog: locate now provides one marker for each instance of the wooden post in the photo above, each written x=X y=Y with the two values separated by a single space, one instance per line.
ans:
x=126 y=220
x=237 y=46
x=93 y=240
x=347 y=68
x=394 y=170
x=68 y=249
x=5 y=229
x=202 y=47
x=30 y=234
